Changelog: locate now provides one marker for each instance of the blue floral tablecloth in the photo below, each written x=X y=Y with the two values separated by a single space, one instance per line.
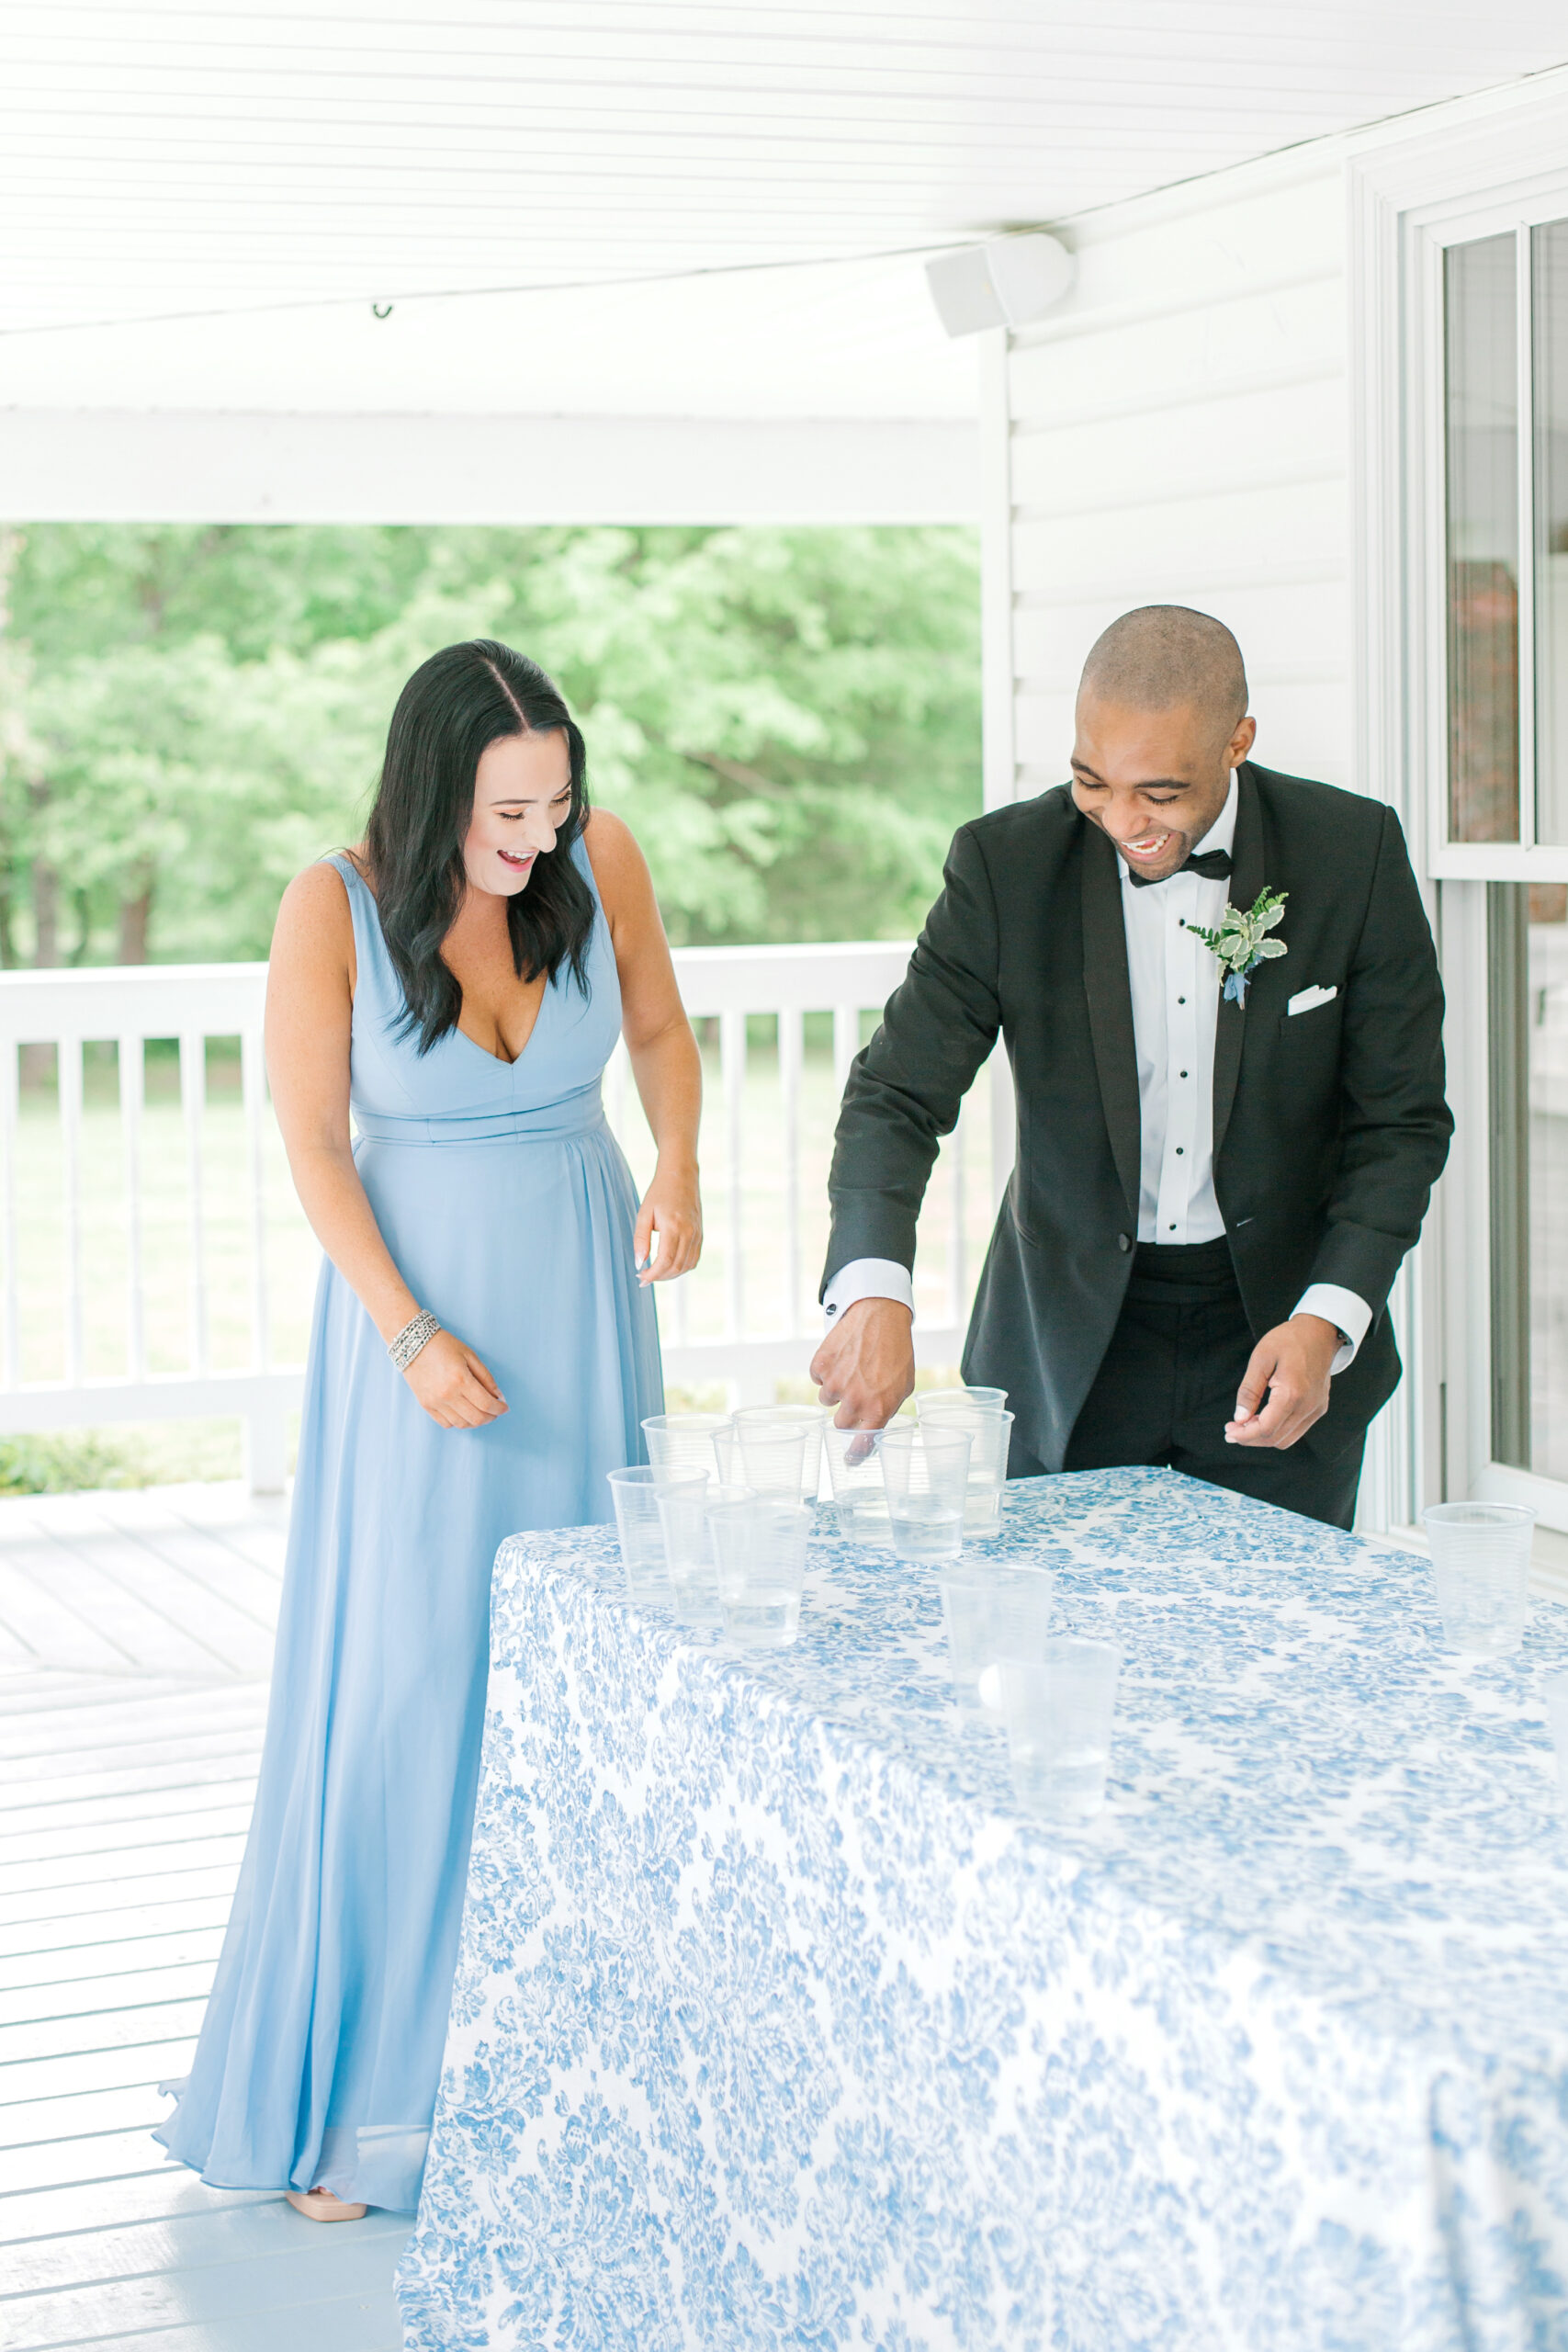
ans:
x=776 y=2024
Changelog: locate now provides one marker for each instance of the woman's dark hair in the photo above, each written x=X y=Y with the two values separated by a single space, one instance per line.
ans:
x=460 y=700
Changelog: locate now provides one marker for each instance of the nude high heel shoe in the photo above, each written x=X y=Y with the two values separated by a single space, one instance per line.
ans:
x=320 y=2205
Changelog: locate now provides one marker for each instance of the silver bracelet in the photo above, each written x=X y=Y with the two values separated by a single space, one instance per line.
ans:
x=412 y=1338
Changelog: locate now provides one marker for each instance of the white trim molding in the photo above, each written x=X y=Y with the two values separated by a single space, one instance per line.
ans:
x=1000 y=760
x=1488 y=162
x=997 y=681
x=164 y=465
x=1548 y=1497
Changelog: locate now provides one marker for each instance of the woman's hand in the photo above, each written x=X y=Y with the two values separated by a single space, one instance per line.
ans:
x=672 y=1208
x=452 y=1385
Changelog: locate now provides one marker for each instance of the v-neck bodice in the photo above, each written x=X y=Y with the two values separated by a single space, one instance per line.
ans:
x=458 y=1092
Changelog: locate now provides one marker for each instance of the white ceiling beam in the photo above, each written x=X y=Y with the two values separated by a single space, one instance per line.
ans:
x=121 y=466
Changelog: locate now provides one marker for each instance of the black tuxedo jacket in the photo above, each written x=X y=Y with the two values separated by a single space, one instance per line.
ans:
x=1330 y=1127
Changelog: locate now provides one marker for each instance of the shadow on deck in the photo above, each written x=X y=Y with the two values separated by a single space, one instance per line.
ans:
x=135 y=1640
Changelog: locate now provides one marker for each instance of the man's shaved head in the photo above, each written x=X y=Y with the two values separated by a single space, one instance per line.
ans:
x=1161 y=725
x=1162 y=656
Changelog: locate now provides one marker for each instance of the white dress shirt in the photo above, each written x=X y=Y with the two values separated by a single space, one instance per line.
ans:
x=1175 y=985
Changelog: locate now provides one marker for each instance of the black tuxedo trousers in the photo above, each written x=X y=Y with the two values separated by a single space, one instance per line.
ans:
x=1167 y=1387
x=1330 y=1126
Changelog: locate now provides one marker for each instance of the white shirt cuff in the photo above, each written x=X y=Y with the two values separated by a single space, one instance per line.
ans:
x=1347 y=1313
x=868 y=1278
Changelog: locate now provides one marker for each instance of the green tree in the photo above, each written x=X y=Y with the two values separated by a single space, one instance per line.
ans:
x=788 y=719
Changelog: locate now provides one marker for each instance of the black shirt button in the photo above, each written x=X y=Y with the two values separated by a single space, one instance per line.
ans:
x=1181 y=1000
x=1179 y=1149
x=1184 y=1073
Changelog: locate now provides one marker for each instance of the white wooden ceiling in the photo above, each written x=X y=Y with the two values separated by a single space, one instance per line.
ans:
x=253 y=177
x=216 y=155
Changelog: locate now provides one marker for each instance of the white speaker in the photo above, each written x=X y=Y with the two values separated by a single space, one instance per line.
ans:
x=1006 y=282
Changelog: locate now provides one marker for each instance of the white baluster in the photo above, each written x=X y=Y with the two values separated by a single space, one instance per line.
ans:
x=957 y=1248
x=252 y=1079
x=12 y=1335
x=1003 y=1124
x=732 y=1066
x=846 y=1042
x=132 y=1103
x=68 y=1066
x=676 y=1304
x=791 y=1052
x=193 y=1101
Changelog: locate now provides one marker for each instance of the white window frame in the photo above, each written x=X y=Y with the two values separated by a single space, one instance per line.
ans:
x=1474 y=169
x=1528 y=209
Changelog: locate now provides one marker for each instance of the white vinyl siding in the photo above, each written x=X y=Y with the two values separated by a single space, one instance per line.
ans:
x=1178 y=435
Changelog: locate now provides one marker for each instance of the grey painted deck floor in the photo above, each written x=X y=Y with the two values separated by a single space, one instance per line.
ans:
x=135 y=1639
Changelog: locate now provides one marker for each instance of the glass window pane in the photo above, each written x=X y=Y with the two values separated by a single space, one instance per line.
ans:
x=1481 y=436
x=1528 y=931
x=1549 y=326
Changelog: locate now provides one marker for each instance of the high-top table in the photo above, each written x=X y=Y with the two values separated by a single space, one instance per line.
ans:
x=777 y=2024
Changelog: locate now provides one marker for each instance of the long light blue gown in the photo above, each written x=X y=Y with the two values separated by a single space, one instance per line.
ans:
x=508 y=1207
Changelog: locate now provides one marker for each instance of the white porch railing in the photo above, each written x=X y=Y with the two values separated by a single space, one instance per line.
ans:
x=155 y=1265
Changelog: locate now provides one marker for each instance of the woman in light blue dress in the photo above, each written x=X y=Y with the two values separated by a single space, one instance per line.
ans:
x=483 y=1350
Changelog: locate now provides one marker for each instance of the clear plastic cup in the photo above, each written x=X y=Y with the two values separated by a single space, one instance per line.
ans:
x=776 y=1419
x=688 y=1553
x=760 y=1547
x=1059 y=1712
x=769 y=1456
x=990 y=1432
x=727 y=1447
x=636 y=1493
x=925 y=1467
x=1481 y=1560
x=995 y=1613
x=860 y=1491
x=1556 y=1696
x=720 y=1498
x=929 y=1401
x=687 y=1440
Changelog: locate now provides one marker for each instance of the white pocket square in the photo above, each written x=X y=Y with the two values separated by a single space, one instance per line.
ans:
x=1308 y=1000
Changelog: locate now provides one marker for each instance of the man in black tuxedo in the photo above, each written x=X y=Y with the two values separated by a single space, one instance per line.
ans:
x=1214 y=1191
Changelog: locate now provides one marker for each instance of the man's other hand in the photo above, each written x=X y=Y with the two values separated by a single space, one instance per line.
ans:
x=866 y=1363
x=1291 y=1364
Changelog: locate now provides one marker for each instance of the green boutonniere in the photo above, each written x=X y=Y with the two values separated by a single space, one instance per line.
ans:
x=1241 y=944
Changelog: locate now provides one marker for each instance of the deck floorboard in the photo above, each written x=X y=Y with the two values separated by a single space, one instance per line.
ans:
x=181 y=1817
x=135 y=1640
x=75 y=1965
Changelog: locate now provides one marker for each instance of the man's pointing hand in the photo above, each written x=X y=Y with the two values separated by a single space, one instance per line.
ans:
x=866 y=1365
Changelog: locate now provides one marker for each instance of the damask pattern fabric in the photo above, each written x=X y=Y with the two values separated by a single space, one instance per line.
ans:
x=776 y=2024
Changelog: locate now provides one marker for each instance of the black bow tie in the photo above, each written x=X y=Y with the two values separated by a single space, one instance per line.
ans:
x=1214 y=865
